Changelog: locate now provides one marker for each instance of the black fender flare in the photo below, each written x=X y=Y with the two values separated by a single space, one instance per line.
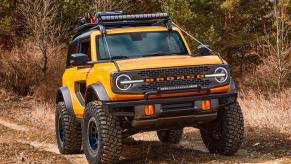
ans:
x=63 y=94
x=96 y=91
x=232 y=85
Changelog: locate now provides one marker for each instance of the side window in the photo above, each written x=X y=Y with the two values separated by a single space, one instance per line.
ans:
x=86 y=48
x=73 y=48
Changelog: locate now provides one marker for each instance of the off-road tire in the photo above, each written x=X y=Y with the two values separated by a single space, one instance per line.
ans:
x=108 y=135
x=224 y=136
x=69 y=136
x=170 y=136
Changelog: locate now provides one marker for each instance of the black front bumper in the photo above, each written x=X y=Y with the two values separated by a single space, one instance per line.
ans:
x=170 y=112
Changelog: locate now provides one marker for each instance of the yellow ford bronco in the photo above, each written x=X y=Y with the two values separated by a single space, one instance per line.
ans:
x=127 y=74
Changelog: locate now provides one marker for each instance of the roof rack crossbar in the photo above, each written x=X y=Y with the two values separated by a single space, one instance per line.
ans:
x=108 y=13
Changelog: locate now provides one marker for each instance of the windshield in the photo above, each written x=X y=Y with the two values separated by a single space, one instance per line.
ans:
x=141 y=44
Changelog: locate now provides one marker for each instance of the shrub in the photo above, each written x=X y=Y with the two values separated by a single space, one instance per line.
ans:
x=21 y=71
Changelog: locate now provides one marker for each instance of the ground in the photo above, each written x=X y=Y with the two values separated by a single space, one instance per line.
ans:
x=27 y=136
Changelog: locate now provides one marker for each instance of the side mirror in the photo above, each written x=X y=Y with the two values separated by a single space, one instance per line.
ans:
x=203 y=50
x=78 y=59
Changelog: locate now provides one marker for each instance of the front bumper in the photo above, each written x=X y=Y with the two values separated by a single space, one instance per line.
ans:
x=170 y=112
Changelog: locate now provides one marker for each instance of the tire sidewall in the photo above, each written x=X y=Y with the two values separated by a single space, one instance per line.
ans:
x=90 y=115
x=58 y=117
x=214 y=145
x=229 y=142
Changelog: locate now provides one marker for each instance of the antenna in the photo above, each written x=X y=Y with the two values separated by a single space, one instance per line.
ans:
x=191 y=36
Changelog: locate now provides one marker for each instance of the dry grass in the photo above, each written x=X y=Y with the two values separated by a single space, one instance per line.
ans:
x=35 y=114
x=43 y=115
x=271 y=112
x=20 y=70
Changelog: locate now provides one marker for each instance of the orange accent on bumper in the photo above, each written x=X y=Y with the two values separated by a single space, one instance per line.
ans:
x=206 y=104
x=221 y=89
x=149 y=110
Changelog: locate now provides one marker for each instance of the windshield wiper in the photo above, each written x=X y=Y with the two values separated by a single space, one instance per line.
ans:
x=119 y=57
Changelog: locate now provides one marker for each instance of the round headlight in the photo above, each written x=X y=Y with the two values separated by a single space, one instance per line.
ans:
x=222 y=74
x=121 y=78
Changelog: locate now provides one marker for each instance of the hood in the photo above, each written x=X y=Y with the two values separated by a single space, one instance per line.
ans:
x=166 y=61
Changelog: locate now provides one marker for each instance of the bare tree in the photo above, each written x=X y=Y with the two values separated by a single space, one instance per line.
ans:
x=108 y=5
x=39 y=21
x=276 y=50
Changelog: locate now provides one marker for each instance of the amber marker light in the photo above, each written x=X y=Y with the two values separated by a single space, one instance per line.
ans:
x=206 y=104
x=149 y=110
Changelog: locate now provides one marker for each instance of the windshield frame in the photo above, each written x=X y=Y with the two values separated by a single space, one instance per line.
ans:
x=139 y=56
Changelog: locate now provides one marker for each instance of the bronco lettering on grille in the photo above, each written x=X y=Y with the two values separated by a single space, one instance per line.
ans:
x=170 y=78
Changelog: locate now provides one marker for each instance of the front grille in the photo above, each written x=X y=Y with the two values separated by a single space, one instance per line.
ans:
x=187 y=78
x=177 y=71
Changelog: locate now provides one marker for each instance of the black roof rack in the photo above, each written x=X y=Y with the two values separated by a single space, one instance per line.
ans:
x=108 y=13
x=108 y=18
x=116 y=19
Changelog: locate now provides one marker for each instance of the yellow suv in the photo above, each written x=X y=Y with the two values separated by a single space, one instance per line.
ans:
x=133 y=73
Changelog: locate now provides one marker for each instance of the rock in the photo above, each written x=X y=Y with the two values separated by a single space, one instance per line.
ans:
x=256 y=144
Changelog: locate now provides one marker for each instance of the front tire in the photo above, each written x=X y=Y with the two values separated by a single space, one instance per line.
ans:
x=101 y=133
x=68 y=131
x=225 y=135
x=170 y=136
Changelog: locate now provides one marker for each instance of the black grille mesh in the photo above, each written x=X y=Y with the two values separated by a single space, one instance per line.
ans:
x=177 y=71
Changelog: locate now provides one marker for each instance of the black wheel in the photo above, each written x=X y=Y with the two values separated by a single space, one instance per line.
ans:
x=101 y=133
x=170 y=136
x=68 y=131
x=225 y=135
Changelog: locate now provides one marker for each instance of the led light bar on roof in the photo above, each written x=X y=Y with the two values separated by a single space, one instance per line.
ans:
x=135 y=17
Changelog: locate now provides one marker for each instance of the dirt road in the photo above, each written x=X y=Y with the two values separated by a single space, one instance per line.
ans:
x=27 y=135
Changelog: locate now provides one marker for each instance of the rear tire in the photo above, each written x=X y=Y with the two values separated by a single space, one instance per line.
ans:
x=225 y=135
x=68 y=131
x=101 y=132
x=170 y=136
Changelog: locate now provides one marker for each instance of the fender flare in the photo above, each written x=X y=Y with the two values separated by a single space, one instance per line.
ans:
x=63 y=94
x=96 y=92
x=232 y=85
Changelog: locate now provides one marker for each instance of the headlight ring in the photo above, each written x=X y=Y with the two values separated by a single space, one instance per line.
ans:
x=220 y=71
x=123 y=87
